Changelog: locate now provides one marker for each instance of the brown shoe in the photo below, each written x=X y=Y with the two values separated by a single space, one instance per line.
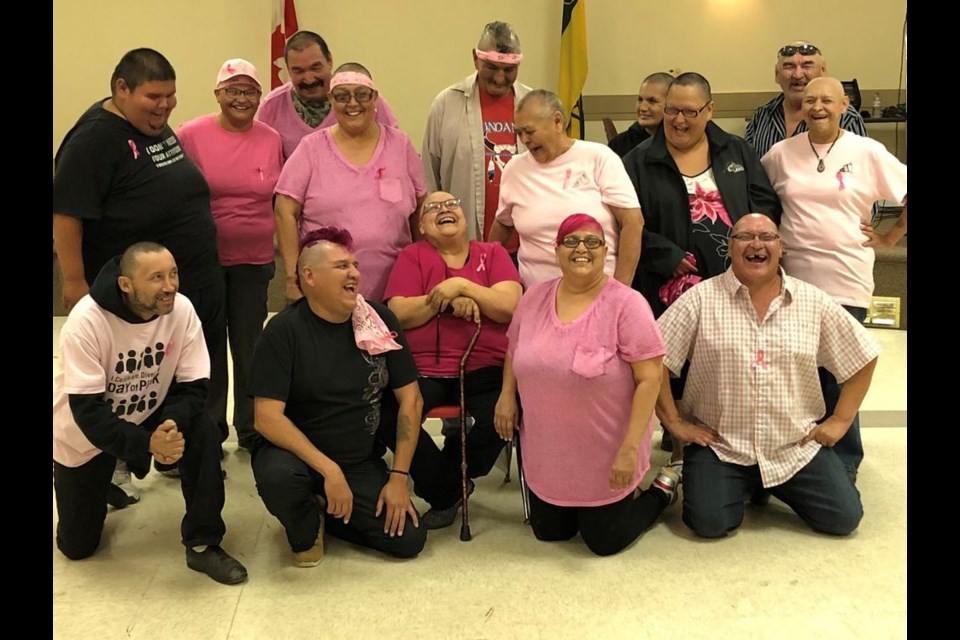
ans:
x=314 y=555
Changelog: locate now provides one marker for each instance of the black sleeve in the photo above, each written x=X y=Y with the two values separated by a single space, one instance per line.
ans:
x=271 y=369
x=400 y=363
x=118 y=437
x=658 y=254
x=183 y=401
x=83 y=172
x=763 y=198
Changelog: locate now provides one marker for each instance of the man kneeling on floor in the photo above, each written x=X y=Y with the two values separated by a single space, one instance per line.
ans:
x=133 y=385
x=318 y=377
x=755 y=337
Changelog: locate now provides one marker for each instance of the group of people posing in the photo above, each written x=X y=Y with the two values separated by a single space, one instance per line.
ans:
x=683 y=274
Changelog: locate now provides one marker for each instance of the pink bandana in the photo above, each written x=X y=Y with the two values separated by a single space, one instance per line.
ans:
x=351 y=77
x=496 y=56
x=370 y=331
x=676 y=287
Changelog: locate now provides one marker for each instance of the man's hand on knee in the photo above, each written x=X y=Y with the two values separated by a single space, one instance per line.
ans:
x=339 y=495
x=396 y=496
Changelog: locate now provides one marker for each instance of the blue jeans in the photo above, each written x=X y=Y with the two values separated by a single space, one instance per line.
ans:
x=850 y=446
x=821 y=493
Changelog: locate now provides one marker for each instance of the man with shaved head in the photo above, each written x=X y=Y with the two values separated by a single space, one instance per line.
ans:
x=651 y=99
x=558 y=176
x=797 y=64
x=320 y=374
x=132 y=388
x=828 y=180
x=754 y=337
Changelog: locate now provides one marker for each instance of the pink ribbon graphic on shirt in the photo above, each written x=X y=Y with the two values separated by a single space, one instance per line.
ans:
x=133 y=147
x=380 y=171
x=840 y=179
x=760 y=362
x=483 y=263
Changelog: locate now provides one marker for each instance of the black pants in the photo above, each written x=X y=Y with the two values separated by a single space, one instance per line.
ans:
x=246 y=301
x=606 y=530
x=288 y=485
x=210 y=304
x=81 y=494
x=482 y=390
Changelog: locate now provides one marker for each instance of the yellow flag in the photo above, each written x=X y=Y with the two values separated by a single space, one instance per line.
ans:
x=573 y=63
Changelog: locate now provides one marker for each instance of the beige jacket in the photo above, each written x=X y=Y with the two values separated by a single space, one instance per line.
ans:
x=452 y=151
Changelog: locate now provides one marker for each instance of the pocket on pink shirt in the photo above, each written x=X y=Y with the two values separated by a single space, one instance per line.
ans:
x=390 y=189
x=590 y=361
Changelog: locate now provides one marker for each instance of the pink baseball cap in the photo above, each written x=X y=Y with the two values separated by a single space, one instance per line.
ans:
x=234 y=71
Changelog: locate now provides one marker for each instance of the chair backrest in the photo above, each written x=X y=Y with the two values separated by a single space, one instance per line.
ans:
x=609 y=129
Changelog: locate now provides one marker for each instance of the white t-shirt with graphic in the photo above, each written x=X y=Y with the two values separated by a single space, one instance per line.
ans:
x=535 y=198
x=132 y=365
x=822 y=211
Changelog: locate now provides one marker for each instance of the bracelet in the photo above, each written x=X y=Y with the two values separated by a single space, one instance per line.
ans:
x=403 y=473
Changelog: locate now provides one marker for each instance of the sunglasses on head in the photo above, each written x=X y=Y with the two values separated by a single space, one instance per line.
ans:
x=803 y=49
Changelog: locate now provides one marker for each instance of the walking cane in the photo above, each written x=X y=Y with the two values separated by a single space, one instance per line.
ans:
x=465 y=523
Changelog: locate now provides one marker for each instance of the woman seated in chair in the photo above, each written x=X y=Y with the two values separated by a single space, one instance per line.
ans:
x=585 y=355
x=440 y=289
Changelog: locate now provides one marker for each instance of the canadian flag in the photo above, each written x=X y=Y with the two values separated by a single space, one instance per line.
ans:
x=284 y=26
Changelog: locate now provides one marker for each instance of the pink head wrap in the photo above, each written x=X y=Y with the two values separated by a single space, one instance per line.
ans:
x=496 y=56
x=352 y=77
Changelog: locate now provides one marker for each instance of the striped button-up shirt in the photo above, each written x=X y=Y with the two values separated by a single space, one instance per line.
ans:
x=767 y=127
x=755 y=381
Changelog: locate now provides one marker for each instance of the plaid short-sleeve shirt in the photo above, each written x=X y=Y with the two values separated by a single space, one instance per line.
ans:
x=755 y=381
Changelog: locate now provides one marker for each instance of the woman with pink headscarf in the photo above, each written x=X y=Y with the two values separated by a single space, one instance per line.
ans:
x=585 y=356
x=357 y=174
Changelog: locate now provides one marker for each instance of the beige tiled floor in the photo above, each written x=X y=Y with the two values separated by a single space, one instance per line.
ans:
x=772 y=579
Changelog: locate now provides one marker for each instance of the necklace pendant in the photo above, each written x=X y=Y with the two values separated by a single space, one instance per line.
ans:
x=820 y=166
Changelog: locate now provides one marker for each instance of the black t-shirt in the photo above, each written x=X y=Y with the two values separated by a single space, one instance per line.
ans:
x=331 y=388
x=127 y=187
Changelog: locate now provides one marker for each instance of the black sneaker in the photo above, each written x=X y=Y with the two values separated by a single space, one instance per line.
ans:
x=440 y=518
x=218 y=564
x=118 y=498
x=667 y=481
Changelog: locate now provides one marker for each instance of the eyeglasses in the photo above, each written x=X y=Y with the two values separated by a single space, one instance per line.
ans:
x=233 y=92
x=360 y=95
x=433 y=207
x=766 y=236
x=590 y=242
x=687 y=113
x=803 y=49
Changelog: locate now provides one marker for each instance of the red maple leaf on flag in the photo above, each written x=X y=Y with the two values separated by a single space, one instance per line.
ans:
x=284 y=26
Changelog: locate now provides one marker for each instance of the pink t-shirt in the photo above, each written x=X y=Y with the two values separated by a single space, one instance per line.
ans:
x=132 y=365
x=418 y=270
x=242 y=170
x=822 y=212
x=535 y=198
x=576 y=388
x=277 y=110
x=373 y=202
